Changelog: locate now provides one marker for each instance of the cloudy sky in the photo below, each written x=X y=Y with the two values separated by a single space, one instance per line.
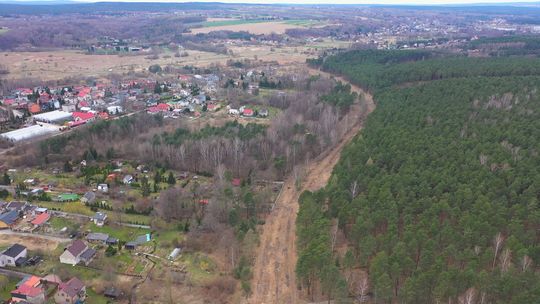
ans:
x=324 y=1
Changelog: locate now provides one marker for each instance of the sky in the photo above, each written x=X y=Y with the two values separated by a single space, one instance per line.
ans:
x=407 y=2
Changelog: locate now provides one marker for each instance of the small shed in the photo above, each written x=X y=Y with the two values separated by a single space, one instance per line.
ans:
x=174 y=254
x=112 y=292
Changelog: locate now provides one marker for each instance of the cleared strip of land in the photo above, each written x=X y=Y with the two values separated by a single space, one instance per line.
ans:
x=274 y=277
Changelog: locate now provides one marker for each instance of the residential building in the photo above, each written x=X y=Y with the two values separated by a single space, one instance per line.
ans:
x=76 y=253
x=9 y=219
x=29 y=290
x=72 y=291
x=99 y=219
x=13 y=256
x=41 y=219
x=103 y=187
x=103 y=238
x=88 y=198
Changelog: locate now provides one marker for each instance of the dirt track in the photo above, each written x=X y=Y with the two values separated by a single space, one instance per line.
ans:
x=274 y=279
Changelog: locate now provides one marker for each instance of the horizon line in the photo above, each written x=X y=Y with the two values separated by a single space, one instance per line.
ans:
x=293 y=2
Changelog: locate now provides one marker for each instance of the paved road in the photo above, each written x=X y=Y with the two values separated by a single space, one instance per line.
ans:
x=13 y=273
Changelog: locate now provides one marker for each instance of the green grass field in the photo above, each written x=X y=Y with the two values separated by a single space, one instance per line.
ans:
x=7 y=287
x=79 y=208
x=303 y=22
x=120 y=232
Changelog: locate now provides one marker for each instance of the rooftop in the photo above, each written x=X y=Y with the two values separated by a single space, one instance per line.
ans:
x=72 y=287
x=41 y=219
x=77 y=247
x=29 y=132
x=9 y=217
x=14 y=250
x=53 y=116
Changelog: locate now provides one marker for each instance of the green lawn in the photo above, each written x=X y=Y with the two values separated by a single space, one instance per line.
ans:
x=60 y=222
x=94 y=298
x=79 y=208
x=62 y=180
x=7 y=288
x=200 y=266
x=120 y=232
x=71 y=207
x=303 y=22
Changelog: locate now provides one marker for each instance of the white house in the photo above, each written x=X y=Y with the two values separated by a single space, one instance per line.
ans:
x=103 y=187
x=13 y=256
x=77 y=252
x=113 y=110
x=99 y=219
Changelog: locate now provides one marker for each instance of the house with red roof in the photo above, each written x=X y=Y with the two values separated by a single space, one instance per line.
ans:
x=84 y=92
x=25 y=91
x=29 y=290
x=236 y=182
x=72 y=291
x=83 y=116
x=83 y=104
x=41 y=219
x=34 y=108
x=103 y=115
x=9 y=101
x=162 y=107
x=248 y=112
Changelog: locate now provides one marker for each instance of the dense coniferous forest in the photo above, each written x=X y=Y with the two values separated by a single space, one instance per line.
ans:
x=375 y=69
x=438 y=197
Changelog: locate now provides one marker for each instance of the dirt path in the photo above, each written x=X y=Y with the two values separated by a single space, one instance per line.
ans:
x=274 y=279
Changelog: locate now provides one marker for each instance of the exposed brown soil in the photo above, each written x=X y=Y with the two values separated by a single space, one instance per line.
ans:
x=32 y=243
x=274 y=278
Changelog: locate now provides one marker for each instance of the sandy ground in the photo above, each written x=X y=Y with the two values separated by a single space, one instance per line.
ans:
x=274 y=278
x=254 y=28
x=31 y=242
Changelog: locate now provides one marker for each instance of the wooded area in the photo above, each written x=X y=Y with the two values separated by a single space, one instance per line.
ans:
x=438 y=197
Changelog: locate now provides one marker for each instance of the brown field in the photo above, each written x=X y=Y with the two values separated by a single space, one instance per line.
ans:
x=52 y=65
x=254 y=28
x=32 y=243
x=60 y=64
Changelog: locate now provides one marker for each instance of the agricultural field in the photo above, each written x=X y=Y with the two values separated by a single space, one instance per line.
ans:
x=226 y=22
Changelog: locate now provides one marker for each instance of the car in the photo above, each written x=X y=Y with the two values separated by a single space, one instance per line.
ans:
x=34 y=260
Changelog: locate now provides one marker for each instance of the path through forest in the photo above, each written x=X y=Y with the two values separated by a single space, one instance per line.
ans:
x=274 y=278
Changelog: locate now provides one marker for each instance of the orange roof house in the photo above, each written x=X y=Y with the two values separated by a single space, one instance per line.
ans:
x=41 y=219
x=34 y=108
